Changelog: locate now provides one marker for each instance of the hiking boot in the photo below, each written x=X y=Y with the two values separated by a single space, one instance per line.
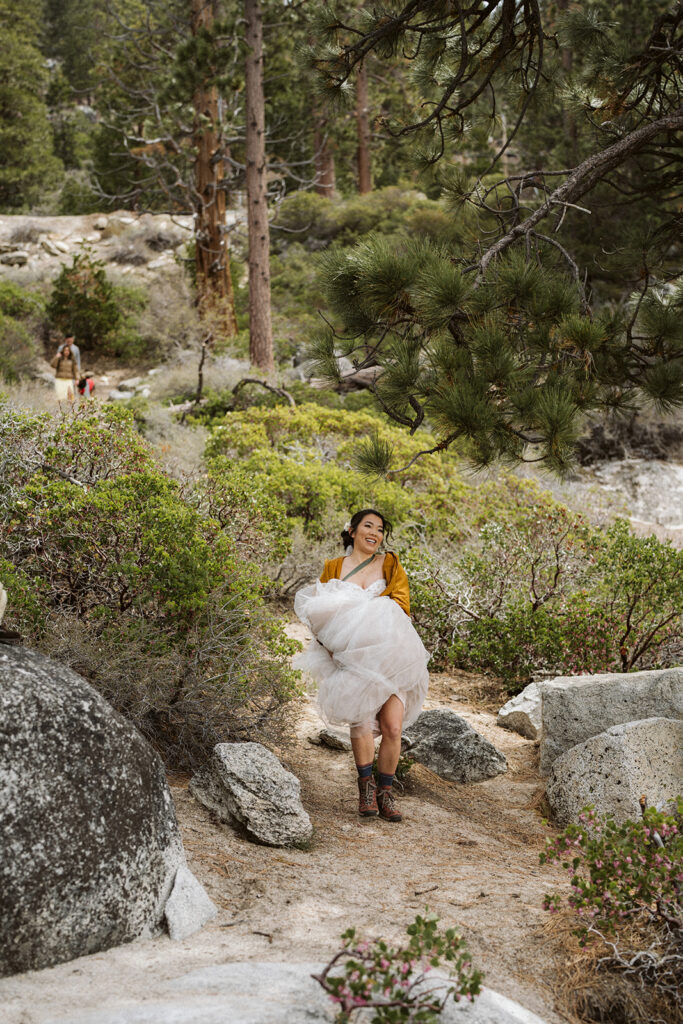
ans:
x=367 y=798
x=387 y=806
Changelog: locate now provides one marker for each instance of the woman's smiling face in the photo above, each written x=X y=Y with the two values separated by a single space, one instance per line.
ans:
x=368 y=535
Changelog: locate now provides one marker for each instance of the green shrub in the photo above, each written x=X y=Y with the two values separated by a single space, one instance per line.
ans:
x=18 y=302
x=536 y=591
x=393 y=982
x=305 y=457
x=149 y=589
x=83 y=303
x=17 y=349
x=626 y=884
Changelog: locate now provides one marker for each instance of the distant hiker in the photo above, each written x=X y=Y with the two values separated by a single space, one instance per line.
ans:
x=86 y=385
x=366 y=656
x=75 y=350
x=66 y=373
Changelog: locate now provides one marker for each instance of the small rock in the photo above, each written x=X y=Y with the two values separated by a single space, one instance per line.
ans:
x=155 y=370
x=92 y=237
x=3 y=601
x=335 y=739
x=130 y=384
x=522 y=713
x=144 y=392
x=49 y=247
x=612 y=770
x=449 y=746
x=118 y=396
x=76 y=239
x=189 y=907
x=16 y=258
x=160 y=261
x=245 y=785
x=61 y=246
x=101 y=223
x=126 y=220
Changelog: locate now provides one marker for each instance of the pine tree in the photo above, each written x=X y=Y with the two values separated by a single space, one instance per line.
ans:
x=496 y=345
x=27 y=163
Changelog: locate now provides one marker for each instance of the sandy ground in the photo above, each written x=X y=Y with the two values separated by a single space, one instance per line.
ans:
x=470 y=853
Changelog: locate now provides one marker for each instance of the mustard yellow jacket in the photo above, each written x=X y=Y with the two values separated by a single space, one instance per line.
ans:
x=394 y=573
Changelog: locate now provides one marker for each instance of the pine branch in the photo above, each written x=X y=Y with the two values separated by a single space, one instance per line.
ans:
x=582 y=179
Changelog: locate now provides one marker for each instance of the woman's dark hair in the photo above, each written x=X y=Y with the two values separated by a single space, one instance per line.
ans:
x=356 y=520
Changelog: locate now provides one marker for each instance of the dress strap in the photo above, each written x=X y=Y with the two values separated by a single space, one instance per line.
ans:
x=358 y=568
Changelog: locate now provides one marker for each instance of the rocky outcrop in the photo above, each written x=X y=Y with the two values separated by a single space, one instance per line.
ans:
x=522 y=713
x=246 y=786
x=252 y=992
x=574 y=708
x=449 y=746
x=89 y=844
x=613 y=769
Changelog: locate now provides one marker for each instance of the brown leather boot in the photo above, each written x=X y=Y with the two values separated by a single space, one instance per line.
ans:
x=367 y=798
x=386 y=802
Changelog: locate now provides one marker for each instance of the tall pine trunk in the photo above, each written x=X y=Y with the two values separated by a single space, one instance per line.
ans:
x=323 y=156
x=260 y=326
x=363 y=128
x=212 y=257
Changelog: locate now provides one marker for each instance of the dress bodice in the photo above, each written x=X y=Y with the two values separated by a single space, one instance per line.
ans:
x=372 y=591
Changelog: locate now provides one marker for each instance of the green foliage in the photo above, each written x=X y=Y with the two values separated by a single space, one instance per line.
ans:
x=626 y=892
x=304 y=456
x=151 y=590
x=619 y=869
x=27 y=163
x=392 y=982
x=20 y=313
x=315 y=221
x=82 y=302
x=535 y=590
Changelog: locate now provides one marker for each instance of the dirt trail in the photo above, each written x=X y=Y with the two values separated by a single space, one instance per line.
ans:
x=468 y=852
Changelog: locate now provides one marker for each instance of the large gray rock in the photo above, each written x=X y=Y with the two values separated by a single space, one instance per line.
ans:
x=574 y=708
x=245 y=785
x=273 y=993
x=612 y=770
x=89 y=844
x=447 y=744
x=522 y=713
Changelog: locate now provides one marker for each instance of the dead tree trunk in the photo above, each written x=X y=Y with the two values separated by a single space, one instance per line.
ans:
x=363 y=128
x=212 y=257
x=260 y=325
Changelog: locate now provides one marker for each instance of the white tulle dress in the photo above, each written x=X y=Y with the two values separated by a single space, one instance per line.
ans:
x=365 y=649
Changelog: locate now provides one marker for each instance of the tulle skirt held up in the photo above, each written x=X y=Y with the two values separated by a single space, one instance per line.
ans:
x=365 y=649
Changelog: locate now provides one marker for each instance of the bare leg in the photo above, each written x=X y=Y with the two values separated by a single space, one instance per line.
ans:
x=391 y=725
x=363 y=749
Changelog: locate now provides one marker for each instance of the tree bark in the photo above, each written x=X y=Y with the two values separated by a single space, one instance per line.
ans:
x=260 y=325
x=212 y=257
x=323 y=156
x=363 y=128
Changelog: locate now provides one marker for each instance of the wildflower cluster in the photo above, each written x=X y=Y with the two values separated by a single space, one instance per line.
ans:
x=393 y=980
x=618 y=871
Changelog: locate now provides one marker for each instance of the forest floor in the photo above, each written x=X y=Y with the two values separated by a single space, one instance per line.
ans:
x=468 y=852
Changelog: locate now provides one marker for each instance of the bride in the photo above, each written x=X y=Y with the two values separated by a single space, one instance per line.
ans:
x=368 y=660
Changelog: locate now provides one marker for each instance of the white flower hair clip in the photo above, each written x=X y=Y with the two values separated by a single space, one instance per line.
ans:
x=347 y=527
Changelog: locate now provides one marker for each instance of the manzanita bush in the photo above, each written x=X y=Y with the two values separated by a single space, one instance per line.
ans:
x=393 y=981
x=620 y=871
